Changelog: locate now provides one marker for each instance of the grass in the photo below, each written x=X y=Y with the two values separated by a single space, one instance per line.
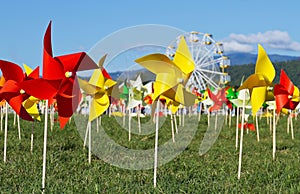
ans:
x=68 y=170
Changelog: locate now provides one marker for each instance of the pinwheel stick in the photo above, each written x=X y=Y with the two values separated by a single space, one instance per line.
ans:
x=200 y=110
x=129 y=125
x=19 y=127
x=156 y=143
x=175 y=122
x=1 y=110
x=172 y=128
x=15 y=116
x=292 y=127
x=5 y=132
x=45 y=147
x=274 y=133
x=139 y=118
x=237 y=128
x=257 y=130
x=241 y=138
x=31 y=137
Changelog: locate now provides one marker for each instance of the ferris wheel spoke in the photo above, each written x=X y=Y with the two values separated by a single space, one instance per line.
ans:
x=206 y=64
x=199 y=80
x=213 y=72
x=207 y=79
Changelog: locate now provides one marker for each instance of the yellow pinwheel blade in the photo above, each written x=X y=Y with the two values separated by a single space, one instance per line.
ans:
x=31 y=107
x=254 y=80
x=97 y=78
x=285 y=111
x=183 y=58
x=27 y=69
x=2 y=81
x=158 y=63
x=163 y=83
x=98 y=106
x=264 y=66
x=296 y=94
x=86 y=87
x=258 y=97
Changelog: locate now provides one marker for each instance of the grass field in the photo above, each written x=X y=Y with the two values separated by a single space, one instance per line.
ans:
x=68 y=170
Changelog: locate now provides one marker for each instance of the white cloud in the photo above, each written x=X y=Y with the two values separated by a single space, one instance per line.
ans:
x=270 y=39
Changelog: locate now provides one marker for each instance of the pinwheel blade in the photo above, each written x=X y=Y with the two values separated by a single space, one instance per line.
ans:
x=183 y=58
x=264 y=65
x=258 y=97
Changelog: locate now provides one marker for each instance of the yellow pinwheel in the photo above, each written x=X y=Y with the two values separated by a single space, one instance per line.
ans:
x=99 y=88
x=260 y=82
x=30 y=104
x=171 y=75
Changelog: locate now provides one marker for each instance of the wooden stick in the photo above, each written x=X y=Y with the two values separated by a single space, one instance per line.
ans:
x=237 y=128
x=230 y=117
x=90 y=142
x=15 y=116
x=274 y=133
x=45 y=147
x=288 y=124
x=175 y=122
x=5 y=131
x=292 y=128
x=241 y=138
x=156 y=144
x=172 y=128
x=183 y=115
x=19 y=128
x=97 y=124
x=257 y=130
x=1 y=110
x=31 y=137
x=139 y=118
x=200 y=110
x=129 y=125
x=216 y=121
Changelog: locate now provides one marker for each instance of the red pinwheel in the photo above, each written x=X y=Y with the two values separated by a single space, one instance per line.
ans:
x=11 y=90
x=219 y=99
x=249 y=126
x=59 y=79
x=286 y=94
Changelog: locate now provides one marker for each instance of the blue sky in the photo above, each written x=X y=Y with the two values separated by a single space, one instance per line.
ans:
x=79 y=25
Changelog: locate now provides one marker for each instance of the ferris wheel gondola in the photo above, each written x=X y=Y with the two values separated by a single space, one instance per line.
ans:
x=209 y=58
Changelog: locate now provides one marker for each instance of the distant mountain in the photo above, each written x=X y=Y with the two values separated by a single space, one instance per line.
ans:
x=248 y=58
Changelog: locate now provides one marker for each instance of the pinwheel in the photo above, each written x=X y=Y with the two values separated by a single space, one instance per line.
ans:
x=99 y=88
x=286 y=96
x=258 y=83
x=13 y=94
x=238 y=102
x=58 y=82
x=135 y=101
x=219 y=100
x=171 y=77
x=231 y=93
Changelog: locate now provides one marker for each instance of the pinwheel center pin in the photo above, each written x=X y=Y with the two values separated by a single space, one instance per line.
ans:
x=180 y=80
x=22 y=91
x=290 y=97
x=68 y=74
x=269 y=88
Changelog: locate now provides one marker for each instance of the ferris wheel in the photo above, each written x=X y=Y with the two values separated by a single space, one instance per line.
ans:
x=209 y=58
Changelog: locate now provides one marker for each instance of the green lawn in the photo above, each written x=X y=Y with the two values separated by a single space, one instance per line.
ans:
x=68 y=170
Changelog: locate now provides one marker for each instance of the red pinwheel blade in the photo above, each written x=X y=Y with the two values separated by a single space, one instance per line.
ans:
x=16 y=104
x=35 y=74
x=286 y=82
x=52 y=69
x=105 y=74
x=11 y=71
x=38 y=88
x=77 y=62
